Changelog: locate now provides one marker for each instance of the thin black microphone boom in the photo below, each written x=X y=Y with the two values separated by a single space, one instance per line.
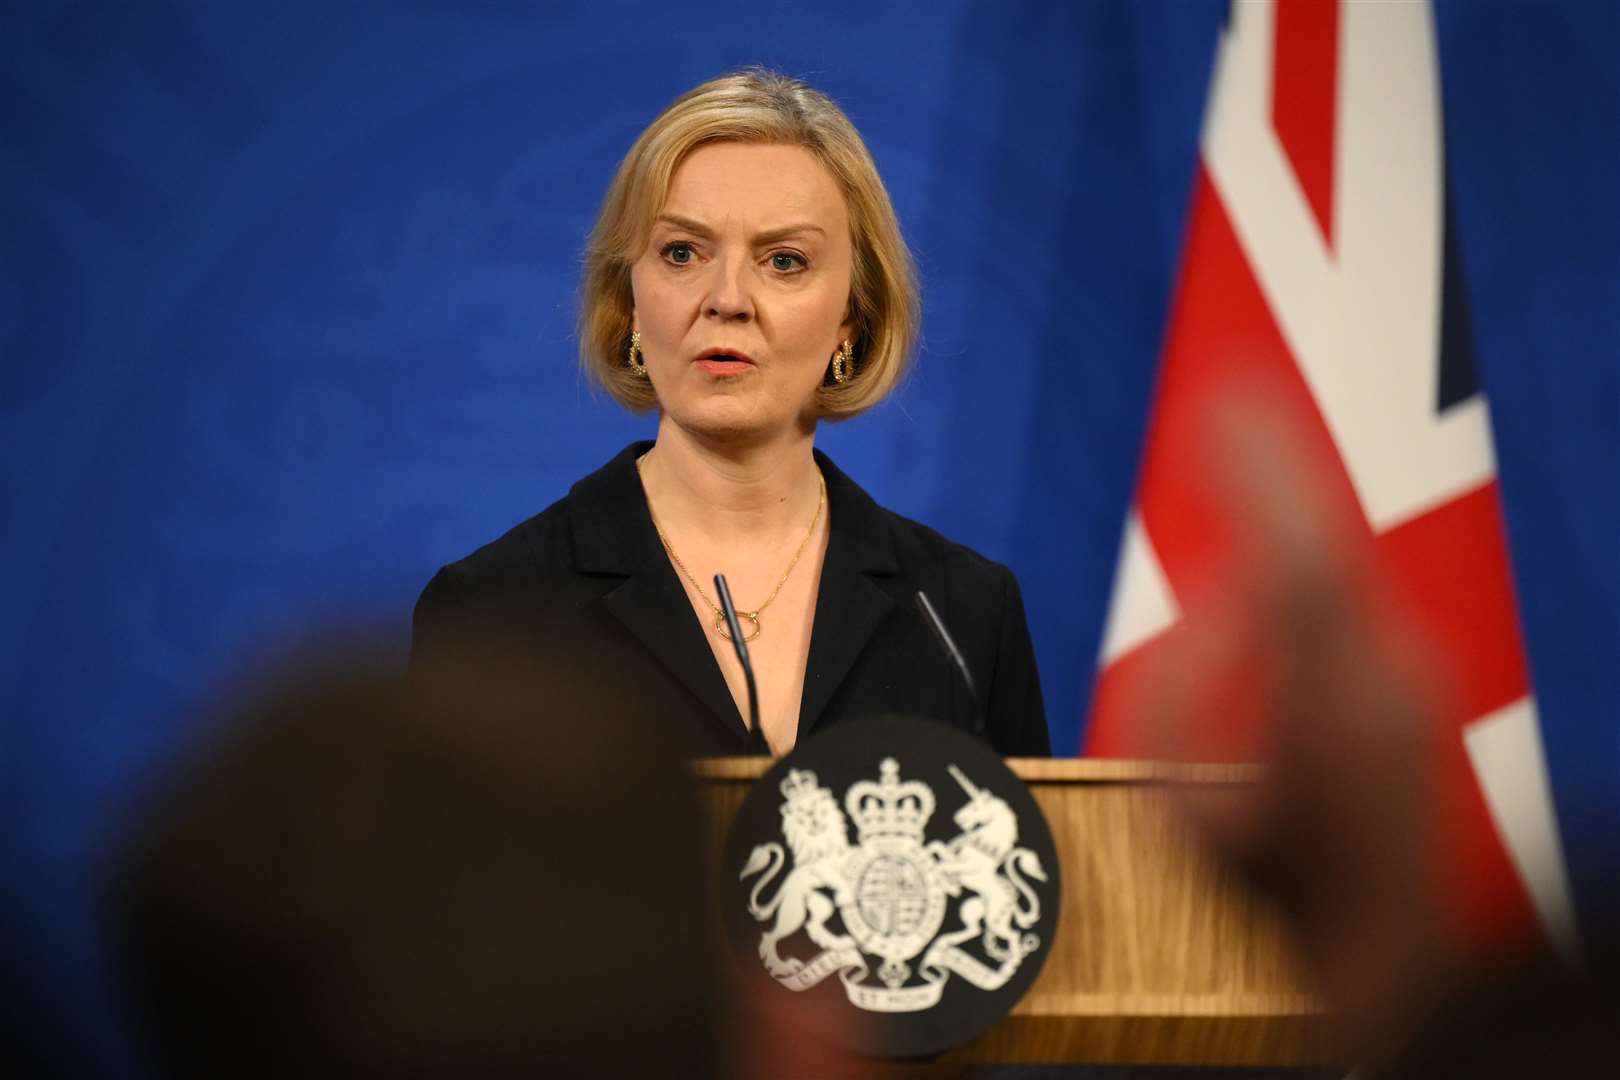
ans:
x=948 y=646
x=741 y=646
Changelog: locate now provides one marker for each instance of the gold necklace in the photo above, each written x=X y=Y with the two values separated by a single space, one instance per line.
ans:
x=719 y=613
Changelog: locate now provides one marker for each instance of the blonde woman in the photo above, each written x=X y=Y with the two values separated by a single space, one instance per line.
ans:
x=746 y=280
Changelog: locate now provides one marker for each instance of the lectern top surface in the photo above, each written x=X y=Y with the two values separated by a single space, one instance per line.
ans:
x=1039 y=770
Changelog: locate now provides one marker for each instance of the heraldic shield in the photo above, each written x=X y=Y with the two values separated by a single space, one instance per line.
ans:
x=931 y=917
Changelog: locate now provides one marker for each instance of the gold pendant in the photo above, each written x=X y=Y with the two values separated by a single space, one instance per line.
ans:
x=725 y=631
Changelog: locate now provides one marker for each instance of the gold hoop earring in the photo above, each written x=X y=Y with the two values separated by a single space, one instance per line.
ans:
x=843 y=363
x=634 y=359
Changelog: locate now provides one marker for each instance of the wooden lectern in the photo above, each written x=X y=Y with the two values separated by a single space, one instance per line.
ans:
x=1162 y=957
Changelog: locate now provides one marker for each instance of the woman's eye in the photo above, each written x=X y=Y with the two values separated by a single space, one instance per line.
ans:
x=786 y=262
x=679 y=254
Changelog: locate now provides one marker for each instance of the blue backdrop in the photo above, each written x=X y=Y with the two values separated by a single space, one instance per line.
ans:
x=283 y=288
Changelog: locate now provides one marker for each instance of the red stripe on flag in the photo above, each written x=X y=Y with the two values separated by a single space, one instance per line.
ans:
x=1116 y=707
x=1304 y=88
x=1451 y=567
x=1223 y=340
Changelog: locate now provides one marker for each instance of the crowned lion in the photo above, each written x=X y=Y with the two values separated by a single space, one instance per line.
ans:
x=815 y=830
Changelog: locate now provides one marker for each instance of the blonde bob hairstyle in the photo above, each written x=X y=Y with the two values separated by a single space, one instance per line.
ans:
x=753 y=106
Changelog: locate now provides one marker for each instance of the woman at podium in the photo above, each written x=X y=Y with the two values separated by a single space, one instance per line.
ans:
x=746 y=280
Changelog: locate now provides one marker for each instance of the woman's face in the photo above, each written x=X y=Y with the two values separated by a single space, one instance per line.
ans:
x=742 y=293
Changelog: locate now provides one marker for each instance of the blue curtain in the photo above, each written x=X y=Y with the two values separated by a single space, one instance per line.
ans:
x=286 y=299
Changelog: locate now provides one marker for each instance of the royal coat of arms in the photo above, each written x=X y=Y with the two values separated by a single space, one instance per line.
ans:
x=874 y=908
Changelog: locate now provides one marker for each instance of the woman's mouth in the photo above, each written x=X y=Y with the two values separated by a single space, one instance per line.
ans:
x=723 y=362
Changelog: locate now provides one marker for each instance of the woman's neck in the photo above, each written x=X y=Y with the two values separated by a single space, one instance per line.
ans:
x=730 y=492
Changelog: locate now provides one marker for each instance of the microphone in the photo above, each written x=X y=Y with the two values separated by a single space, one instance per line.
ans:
x=948 y=647
x=741 y=646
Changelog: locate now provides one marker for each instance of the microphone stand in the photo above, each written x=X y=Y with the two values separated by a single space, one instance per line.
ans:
x=952 y=653
x=741 y=646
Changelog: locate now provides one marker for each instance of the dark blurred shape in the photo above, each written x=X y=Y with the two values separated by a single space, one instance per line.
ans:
x=1537 y=1018
x=472 y=871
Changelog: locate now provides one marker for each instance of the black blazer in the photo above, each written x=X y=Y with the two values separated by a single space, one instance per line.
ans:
x=587 y=581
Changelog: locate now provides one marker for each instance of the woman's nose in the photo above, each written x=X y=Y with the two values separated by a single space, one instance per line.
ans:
x=730 y=298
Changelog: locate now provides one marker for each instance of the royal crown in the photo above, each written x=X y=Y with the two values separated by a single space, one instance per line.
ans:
x=799 y=784
x=889 y=808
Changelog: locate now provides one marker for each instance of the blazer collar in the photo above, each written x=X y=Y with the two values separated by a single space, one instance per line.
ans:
x=613 y=530
x=613 y=534
x=850 y=605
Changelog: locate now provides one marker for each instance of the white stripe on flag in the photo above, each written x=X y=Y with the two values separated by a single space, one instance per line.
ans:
x=1143 y=605
x=1505 y=747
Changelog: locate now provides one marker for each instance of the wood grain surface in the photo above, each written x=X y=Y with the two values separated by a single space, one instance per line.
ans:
x=1161 y=957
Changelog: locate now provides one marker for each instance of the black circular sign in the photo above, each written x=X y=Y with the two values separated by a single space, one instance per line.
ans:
x=894 y=878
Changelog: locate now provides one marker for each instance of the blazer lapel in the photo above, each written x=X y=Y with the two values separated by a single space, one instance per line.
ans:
x=614 y=535
x=850 y=606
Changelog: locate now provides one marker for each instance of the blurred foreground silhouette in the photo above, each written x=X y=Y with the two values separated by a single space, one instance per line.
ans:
x=462 y=873
x=484 y=868
x=1304 y=649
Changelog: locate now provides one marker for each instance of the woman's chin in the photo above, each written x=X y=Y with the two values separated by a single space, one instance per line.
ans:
x=729 y=420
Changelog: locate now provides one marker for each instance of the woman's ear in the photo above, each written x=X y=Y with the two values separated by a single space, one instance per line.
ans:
x=849 y=331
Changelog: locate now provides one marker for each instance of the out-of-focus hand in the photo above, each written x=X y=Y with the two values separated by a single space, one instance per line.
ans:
x=1338 y=829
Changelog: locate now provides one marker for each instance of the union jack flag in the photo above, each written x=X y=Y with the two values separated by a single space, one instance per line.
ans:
x=1320 y=262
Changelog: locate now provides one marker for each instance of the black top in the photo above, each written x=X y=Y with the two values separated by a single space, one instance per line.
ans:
x=587 y=580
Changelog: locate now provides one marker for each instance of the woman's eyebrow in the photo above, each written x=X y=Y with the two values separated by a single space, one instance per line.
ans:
x=770 y=236
x=688 y=224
